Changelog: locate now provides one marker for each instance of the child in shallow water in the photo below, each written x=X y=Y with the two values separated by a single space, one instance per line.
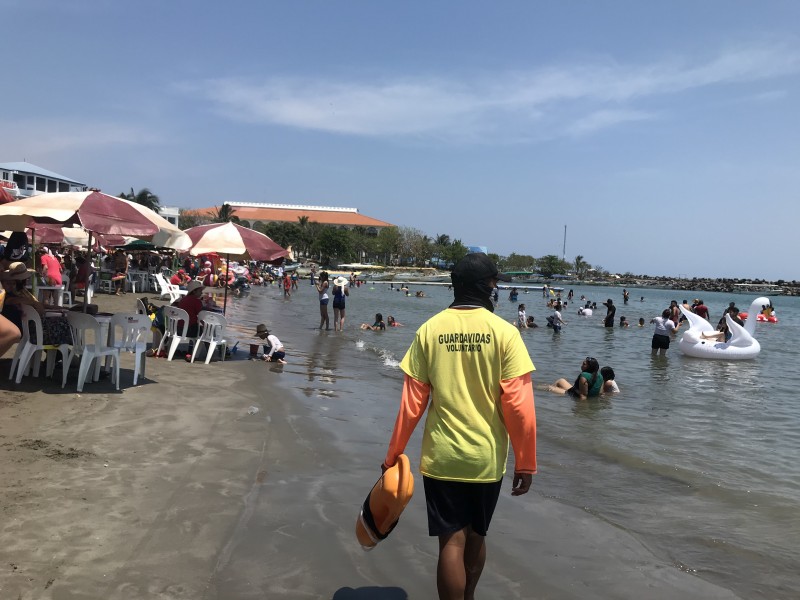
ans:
x=378 y=325
x=276 y=351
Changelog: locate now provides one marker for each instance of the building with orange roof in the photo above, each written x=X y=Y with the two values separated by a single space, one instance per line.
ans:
x=252 y=213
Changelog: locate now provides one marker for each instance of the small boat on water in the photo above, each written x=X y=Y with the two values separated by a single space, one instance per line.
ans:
x=758 y=288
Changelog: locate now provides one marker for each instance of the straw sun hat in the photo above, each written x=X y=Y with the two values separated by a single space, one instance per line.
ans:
x=340 y=281
x=16 y=271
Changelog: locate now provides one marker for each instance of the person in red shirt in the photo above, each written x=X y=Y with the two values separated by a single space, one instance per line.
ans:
x=192 y=304
x=50 y=271
x=701 y=310
x=287 y=286
x=180 y=278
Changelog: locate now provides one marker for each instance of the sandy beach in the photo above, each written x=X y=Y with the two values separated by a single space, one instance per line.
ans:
x=190 y=487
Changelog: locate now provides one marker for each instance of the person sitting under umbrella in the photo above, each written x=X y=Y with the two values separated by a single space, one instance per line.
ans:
x=81 y=275
x=120 y=271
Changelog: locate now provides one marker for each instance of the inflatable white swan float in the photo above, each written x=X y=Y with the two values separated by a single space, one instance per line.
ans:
x=741 y=346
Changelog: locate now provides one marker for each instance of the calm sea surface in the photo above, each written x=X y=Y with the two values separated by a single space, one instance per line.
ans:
x=698 y=459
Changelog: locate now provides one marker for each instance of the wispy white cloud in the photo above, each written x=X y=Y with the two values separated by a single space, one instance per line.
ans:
x=575 y=99
x=603 y=119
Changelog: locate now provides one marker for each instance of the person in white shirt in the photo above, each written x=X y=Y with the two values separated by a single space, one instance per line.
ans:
x=276 y=352
x=665 y=329
x=557 y=320
x=522 y=318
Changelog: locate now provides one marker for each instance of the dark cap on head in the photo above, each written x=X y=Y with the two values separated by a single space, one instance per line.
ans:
x=476 y=267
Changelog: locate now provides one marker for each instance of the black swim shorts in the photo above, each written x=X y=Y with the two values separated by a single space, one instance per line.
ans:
x=452 y=505
x=660 y=342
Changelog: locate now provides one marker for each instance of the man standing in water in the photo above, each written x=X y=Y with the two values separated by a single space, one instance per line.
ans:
x=611 y=310
x=476 y=370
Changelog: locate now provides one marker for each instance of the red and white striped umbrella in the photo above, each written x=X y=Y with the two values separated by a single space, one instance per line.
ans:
x=96 y=212
x=234 y=241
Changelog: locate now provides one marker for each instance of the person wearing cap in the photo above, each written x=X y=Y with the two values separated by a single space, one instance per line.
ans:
x=340 y=290
x=472 y=372
x=276 y=352
x=611 y=310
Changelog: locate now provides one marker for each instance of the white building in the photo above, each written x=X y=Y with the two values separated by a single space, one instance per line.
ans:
x=23 y=179
x=170 y=213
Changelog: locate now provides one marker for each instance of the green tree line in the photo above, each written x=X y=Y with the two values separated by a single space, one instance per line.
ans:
x=398 y=246
x=395 y=246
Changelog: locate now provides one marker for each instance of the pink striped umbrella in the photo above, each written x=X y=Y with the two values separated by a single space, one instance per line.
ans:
x=234 y=241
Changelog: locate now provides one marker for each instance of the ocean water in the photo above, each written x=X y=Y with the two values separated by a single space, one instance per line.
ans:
x=698 y=459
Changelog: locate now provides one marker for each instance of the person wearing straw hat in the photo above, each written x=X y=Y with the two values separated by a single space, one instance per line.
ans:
x=476 y=371
x=276 y=352
x=55 y=329
x=340 y=290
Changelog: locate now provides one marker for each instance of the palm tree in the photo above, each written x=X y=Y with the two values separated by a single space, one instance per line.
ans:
x=581 y=266
x=144 y=197
x=223 y=214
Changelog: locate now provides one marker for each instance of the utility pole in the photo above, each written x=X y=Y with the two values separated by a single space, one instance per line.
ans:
x=564 y=249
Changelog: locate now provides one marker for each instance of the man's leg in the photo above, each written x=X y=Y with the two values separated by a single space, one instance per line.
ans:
x=474 y=559
x=461 y=558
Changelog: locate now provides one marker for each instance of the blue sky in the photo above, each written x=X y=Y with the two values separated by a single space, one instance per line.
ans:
x=665 y=136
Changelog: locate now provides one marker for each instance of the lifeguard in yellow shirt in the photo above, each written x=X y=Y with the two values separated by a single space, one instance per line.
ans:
x=472 y=372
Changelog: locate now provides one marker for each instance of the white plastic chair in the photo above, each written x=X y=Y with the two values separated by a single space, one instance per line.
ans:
x=27 y=350
x=66 y=295
x=213 y=333
x=133 y=330
x=168 y=290
x=106 y=285
x=81 y=324
x=173 y=316
x=141 y=309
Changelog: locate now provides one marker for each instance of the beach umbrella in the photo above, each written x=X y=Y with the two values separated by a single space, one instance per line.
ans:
x=97 y=213
x=234 y=241
x=6 y=196
x=56 y=235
